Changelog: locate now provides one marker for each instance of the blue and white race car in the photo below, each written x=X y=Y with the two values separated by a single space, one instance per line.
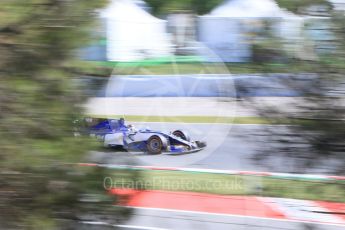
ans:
x=115 y=133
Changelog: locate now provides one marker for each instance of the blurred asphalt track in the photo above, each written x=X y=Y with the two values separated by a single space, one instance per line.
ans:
x=161 y=210
x=162 y=220
x=206 y=85
x=186 y=106
x=230 y=147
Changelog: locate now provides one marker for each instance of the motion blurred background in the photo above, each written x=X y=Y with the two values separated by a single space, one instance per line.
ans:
x=274 y=68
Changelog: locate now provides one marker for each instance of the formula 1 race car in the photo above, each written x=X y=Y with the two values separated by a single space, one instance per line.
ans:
x=115 y=133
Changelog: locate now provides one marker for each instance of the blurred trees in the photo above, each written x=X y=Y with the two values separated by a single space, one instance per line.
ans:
x=40 y=187
x=201 y=7
x=298 y=6
x=314 y=137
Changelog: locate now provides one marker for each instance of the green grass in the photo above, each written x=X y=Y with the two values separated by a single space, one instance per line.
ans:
x=150 y=62
x=184 y=65
x=193 y=119
x=238 y=185
x=213 y=119
x=152 y=68
x=195 y=64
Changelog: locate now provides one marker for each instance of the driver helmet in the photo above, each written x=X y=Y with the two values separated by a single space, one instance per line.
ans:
x=122 y=122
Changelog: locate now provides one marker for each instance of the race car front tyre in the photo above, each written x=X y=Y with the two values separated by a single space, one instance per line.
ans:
x=154 y=145
x=201 y=144
x=181 y=134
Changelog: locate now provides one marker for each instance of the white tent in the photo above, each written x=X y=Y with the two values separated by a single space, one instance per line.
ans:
x=338 y=4
x=249 y=9
x=132 y=33
x=225 y=30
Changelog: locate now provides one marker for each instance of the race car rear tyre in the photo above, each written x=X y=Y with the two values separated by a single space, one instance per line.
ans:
x=154 y=145
x=181 y=134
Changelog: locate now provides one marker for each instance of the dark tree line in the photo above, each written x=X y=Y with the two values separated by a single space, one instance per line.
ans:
x=200 y=7
x=40 y=187
x=315 y=132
